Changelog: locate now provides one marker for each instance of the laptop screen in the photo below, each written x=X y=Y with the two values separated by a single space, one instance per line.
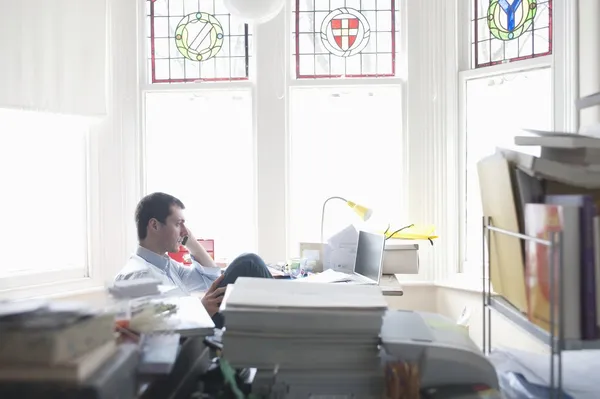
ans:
x=369 y=255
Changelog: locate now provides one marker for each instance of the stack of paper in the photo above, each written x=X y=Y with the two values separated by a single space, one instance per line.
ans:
x=310 y=337
x=53 y=341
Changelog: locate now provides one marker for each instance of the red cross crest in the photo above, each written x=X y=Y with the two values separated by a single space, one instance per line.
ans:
x=345 y=30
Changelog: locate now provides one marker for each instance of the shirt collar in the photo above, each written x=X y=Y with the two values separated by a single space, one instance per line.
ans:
x=160 y=261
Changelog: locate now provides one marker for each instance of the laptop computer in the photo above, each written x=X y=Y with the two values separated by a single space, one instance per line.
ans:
x=368 y=265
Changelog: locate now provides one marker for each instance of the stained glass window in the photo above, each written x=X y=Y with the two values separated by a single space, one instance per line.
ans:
x=510 y=30
x=345 y=38
x=195 y=40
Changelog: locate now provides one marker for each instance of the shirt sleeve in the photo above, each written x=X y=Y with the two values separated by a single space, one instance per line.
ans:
x=133 y=270
x=197 y=277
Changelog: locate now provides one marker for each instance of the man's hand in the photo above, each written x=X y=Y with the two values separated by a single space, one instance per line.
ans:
x=190 y=235
x=198 y=251
x=214 y=296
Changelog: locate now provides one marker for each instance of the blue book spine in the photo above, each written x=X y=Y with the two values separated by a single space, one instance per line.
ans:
x=587 y=206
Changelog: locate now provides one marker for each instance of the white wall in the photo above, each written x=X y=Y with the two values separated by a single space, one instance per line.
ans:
x=420 y=297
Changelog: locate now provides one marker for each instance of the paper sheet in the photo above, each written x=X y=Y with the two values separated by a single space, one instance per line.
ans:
x=328 y=276
x=340 y=252
x=580 y=369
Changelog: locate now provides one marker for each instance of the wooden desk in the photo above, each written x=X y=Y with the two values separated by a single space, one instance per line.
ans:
x=390 y=286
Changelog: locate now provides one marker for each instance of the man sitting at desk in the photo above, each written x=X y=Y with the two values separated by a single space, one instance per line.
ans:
x=161 y=228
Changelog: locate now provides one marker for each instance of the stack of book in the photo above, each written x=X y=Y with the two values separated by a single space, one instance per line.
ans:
x=53 y=342
x=308 y=338
x=559 y=191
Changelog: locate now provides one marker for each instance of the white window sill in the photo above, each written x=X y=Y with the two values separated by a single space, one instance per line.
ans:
x=463 y=282
x=53 y=290
x=83 y=286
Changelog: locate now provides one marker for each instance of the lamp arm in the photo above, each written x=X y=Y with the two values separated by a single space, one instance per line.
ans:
x=323 y=213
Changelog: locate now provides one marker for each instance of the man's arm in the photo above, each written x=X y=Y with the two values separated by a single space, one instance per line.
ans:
x=196 y=277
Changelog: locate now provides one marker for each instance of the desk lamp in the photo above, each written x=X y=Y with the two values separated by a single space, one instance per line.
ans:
x=363 y=212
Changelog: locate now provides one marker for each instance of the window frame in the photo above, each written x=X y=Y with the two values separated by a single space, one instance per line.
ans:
x=293 y=23
x=149 y=57
x=476 y=65
x=91 y=275
x=563 y=63
x=25 y=281
x=399 y=81
x=113 y=186
x=146 y=86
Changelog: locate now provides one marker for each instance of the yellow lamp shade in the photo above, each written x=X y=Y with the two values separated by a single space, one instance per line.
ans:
x=363 y=212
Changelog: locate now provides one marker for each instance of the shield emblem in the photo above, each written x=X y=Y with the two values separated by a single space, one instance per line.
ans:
x=345 y=30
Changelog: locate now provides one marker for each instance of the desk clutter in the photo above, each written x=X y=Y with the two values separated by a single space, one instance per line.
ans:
x=54 y=349
x=341 y=340
x=57 y=349
x=283 y=339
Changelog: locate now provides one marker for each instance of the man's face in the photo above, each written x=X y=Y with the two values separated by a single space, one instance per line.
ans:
x=172 y=232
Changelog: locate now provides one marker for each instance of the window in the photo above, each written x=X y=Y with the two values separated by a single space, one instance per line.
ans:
x=345 y=38
x=344 y=142
x=43 y=173
x=510 y=30
x=516 y=72
x=196 y=151
x=199 y=140
x=497 y=108
x=195 y=40
x=502 y=95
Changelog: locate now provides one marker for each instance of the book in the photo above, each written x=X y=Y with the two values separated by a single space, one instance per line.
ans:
x=558 y=140
x=499 y=202
x=587 y=212
x=589 y=157
x=36 y=343
x=577 y=175
x=528 y=190
x=73 y=371
x=544 y=302
x=116 y=378
x=597 y=265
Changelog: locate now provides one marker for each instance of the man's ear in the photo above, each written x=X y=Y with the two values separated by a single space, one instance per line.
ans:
x=154 y=224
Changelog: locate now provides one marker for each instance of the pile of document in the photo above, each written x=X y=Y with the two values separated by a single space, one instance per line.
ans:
x=305 y=338
x=44 y=341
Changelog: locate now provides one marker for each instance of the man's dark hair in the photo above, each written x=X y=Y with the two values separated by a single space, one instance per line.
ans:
x=154 y=206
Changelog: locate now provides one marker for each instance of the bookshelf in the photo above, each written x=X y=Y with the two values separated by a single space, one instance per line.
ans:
x=555 y=337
